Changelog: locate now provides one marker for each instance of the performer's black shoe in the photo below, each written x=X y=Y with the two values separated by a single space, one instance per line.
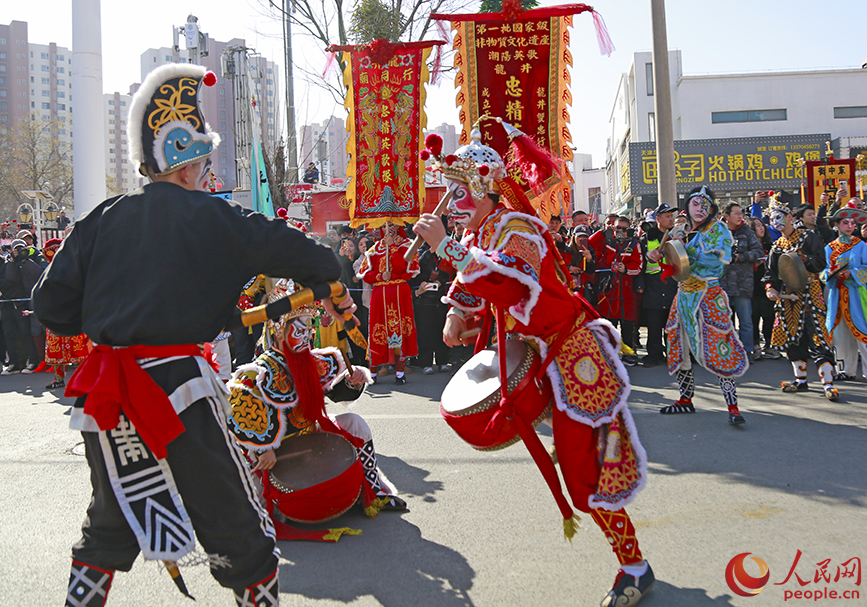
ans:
x=795 y=386
x=628 y=590
x=647 y=361
x=681 y=405
x=400 y=379
x=844 y=377
x=394 y=503
x=736 y=419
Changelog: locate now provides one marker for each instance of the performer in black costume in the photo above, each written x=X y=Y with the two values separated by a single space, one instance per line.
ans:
x=147 y=276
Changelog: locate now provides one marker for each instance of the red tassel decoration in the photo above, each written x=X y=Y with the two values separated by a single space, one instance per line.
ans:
x=606 y=46
x=330 y=57
x=535 y=162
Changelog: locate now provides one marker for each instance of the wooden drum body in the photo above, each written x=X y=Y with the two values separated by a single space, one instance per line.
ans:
x=472 y=397
x=317 y=477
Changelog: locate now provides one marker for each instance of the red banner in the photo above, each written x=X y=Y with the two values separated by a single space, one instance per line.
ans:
x=515 y=66
x=385 y=99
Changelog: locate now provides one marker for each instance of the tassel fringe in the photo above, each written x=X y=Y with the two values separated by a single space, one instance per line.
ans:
x=375 y=506
x=334 y=534
x=606 y=46
x=570 y=525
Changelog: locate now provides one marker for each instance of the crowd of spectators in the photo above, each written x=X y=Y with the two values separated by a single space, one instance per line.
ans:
x=615 y=266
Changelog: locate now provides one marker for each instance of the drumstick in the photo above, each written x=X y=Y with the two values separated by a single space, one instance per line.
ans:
x=439 y=210
x=296 y=454
x=469 y=333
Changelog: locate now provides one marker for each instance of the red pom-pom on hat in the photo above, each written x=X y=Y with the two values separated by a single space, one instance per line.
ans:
x=210 y=79
x=451 y=158
x=434 y=143
x=282 y=213
x=424 y=155
x=484 y=170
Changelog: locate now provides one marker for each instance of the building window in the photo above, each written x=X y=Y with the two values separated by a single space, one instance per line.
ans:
x=44 y=68
x=111 y=112
x=850 y=112
x=3 y=105
x=61 y=58
x=2 y=92
x=61 y=70
x=111 y=101
x=46 y=93
x=748 y=116
x=651 y=125
x=222 y=103
x=61 y=106
x=2 y=55
x=222 y=113
x=43 y=55
x=2 y=40
x=46 y=106
x=3 y=67
x=61 y=94
x=111 y=150
x=648 y=71
x=61 y=82
x=123 y=103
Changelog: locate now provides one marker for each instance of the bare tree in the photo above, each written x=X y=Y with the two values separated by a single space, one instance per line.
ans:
x=330 y=22
x=33 y=157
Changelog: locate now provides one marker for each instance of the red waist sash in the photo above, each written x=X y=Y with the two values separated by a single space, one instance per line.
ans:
x=114 y=382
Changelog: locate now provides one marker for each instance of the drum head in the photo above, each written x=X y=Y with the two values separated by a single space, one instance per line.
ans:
x=314 y=458
x=479 y=377
x=676 y=256
x=792 y=271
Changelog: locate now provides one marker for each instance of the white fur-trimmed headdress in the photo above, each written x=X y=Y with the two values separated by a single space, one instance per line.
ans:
x=166 y=128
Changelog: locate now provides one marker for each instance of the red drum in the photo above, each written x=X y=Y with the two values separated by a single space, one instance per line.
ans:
x=472 y=397
x=317 y=477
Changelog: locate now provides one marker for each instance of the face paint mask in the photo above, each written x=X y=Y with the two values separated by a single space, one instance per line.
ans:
x=778 y=220
x=296 y=334
x=462 y=206
x=699 y=208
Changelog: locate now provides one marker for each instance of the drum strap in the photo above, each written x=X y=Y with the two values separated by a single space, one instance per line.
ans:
x=537 y=451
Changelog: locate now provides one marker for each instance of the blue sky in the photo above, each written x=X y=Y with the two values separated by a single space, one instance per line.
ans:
x=714 y=37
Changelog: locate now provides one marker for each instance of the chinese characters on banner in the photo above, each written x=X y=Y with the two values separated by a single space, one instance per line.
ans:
x=517 y=69
x=385 y=99
x=827 y=176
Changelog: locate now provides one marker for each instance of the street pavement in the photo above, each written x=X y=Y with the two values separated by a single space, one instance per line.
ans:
x=483 y=530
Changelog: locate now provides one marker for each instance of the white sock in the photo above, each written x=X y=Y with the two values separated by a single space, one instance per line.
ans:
x=635 y=570
x=399 y=374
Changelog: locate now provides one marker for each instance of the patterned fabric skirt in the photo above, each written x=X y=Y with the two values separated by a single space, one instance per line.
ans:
x=391 y=323
x=789 y=323
x=700 y=322
x=65 y=350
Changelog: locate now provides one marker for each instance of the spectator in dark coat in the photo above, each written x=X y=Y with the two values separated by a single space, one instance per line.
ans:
x=428 y=287
x=658 y=292
x=19 y=275
x=737 y=279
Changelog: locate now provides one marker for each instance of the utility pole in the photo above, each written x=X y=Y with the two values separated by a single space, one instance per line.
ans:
x=88 y=130
x=666 y=184
x=292 y=174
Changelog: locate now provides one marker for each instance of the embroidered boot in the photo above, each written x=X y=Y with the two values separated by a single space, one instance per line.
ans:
x=88 y=585
x=367 y=455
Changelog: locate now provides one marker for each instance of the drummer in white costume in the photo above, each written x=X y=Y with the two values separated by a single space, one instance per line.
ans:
x=280 y=395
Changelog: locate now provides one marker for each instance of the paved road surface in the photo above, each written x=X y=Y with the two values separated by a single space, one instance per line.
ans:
x=483 y=530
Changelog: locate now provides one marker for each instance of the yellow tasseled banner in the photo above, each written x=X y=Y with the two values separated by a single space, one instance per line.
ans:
x=570 y=525
x=334 y=534
x=375 y=506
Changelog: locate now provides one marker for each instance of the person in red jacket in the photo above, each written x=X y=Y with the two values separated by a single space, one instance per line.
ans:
x=392 y=332
x=618 y=261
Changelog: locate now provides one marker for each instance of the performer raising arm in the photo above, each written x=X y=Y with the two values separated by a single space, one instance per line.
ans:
x=147 y=276
x=507 y=260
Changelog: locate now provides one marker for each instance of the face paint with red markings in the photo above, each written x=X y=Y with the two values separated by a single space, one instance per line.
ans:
x=462 y=206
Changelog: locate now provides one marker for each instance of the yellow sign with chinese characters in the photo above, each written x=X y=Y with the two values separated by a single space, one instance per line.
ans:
x=747 y=163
